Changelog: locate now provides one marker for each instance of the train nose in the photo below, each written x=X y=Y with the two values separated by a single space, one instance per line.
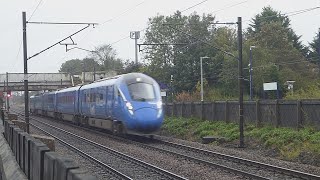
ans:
x=148 y=119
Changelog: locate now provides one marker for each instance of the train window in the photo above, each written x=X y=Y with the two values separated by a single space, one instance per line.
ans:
x=141 y=91
x=50 y=99
x=92 y=97
x=84 y=97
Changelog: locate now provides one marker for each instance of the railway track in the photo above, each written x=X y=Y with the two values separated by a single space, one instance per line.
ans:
x=119 y=164
x=244 y=167
x=266 y=170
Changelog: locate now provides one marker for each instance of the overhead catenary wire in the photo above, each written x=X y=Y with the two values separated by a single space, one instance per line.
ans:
x=228 y=53
x=194 y=5
x=309 y=60
x=292 y=13
x=113 y=18
x=35 y=10
x=126 y=37
x=232 y=5
x=128 y=10
x=17 y=56
x=124 y=12
x=19 y=50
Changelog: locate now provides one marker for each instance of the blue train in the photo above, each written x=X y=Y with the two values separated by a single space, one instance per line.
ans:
x=125 y=104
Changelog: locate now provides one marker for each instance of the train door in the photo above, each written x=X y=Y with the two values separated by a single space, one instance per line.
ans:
x=111 y=99
x=117 y=101
x=107 y=101
x=92 y=103
x=100 y=102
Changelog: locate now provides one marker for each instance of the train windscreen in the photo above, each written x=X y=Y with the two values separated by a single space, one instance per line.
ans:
x=141 y=91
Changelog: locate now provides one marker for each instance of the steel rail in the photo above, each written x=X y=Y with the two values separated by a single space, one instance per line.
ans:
x=154 y=168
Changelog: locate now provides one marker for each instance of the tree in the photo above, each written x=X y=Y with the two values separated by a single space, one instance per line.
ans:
x=277 y=58
x=73 y=66
x=89 y=64
x=269 y=16
x=181 y=61
x=77 y=66
x=130 y=66
x=314 y=54
x=106 y=56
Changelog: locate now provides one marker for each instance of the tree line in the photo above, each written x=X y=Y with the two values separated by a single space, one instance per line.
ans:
x=179 y=41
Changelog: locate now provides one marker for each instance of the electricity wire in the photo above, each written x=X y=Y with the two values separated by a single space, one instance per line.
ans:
x=293 y=13
x=194 y=5
x=35 y=9
x=19 y=50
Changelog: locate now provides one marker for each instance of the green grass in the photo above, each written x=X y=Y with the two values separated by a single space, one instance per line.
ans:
x=290 y=143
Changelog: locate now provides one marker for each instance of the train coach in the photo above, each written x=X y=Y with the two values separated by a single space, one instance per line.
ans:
x=129 y=103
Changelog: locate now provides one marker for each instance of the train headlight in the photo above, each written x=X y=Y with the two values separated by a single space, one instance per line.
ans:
x=159 y=113
x=159 y=105
x=130 y=107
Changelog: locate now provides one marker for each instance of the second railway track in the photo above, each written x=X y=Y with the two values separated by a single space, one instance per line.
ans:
x=122 y=165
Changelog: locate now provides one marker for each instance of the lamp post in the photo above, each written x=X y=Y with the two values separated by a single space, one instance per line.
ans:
x=201 y=71
x=250 y=71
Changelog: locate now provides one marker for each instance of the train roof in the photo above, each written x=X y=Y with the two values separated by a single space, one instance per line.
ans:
x=68 y=89
x=130 y=77
x=48 y=93
x=102 y=82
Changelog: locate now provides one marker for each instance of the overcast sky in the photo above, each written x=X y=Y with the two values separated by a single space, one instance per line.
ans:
x=117 y=19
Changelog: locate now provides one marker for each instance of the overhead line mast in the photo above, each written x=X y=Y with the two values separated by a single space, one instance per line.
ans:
x=26 y=58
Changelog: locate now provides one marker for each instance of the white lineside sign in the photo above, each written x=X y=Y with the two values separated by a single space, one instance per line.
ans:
x=163 y=93
x=270 y=86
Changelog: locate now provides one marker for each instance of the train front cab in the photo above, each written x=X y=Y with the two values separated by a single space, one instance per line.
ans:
x=141 y=102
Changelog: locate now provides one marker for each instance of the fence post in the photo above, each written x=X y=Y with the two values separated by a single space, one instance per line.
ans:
x=182 y=109
x=226 y=112
x=202 y=110
x=213 y=110
x=299 y=118
x=277 y=114
x=191 y=109
x=173 y=109
x=258 y=119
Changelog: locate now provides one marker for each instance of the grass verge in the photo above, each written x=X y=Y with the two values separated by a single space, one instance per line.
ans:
x=290 y=144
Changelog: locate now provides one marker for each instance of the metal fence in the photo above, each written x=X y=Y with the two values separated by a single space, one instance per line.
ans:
x=278 y=113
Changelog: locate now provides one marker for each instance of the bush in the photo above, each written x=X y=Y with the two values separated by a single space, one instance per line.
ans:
x=308 y=92
x=187 y=97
